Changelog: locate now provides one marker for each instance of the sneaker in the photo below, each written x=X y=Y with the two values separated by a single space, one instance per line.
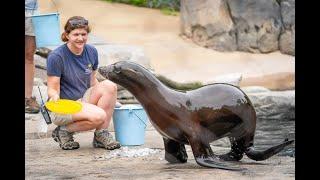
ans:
x=65 y=139
x=103 y=139
x=31 y=105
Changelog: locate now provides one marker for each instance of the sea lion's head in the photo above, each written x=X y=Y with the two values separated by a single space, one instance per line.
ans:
x=125 y=73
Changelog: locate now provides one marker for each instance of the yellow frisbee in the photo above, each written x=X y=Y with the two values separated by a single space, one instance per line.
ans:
x=64 y=106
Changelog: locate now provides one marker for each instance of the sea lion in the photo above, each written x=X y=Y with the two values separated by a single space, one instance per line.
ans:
x=196 y=118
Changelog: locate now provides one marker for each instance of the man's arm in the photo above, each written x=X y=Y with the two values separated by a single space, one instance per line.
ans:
x=93 y=80
x=53 y=83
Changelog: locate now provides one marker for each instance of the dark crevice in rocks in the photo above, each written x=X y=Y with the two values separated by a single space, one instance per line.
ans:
x=283 y=29
x=217 y=34
x=195 y=27
x=234 y=31
x=229 y=11
x=199 y=35
x=236 y=36
x=257 y=28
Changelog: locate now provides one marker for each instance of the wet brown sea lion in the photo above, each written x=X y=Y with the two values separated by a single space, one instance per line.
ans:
x=195 y=117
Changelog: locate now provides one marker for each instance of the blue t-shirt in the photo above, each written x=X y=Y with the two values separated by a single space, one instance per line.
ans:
x=74 y=70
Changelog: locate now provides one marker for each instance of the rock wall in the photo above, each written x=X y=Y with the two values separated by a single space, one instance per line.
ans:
x=257 y=26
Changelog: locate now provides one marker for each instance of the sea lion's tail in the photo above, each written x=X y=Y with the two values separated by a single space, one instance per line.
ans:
x=262 y=155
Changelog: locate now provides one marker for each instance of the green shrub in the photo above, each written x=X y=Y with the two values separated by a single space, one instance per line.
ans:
x=168 y=7
x=169 y=4
x=139 y=2
x=168 y=11
x=133 y=2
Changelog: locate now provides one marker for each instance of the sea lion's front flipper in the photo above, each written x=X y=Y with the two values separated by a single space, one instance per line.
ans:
x=204 y=156
x=175 y=151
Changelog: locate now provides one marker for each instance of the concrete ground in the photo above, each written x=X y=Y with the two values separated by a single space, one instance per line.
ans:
x=45 y=160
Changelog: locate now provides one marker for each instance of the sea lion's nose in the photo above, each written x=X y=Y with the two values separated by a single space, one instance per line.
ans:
x=105 y=70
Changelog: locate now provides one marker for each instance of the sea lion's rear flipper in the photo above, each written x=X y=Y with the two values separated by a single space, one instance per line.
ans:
x=215 y=162
x=262 y=155
x=175 y=151
x=204 y=156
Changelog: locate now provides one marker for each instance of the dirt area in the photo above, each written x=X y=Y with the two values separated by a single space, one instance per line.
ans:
x=45 y=160
x=171 y=54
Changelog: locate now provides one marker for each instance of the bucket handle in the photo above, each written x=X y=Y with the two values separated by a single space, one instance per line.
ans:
x=130 y=111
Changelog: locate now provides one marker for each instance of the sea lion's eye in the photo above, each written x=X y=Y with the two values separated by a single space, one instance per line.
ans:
x=117 y=69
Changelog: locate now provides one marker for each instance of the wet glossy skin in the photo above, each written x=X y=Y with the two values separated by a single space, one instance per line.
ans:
x=196 y=117
x=210 y=112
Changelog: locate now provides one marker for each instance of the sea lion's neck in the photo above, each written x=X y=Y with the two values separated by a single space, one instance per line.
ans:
x=148 y=87
x=152 y=91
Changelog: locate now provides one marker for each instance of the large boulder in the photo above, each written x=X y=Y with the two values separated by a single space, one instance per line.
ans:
x=279 y=105
x=257 y=26
x=208 y=23
x=287 y=37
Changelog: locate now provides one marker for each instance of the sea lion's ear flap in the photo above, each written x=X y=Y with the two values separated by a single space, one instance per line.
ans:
x=132 y=72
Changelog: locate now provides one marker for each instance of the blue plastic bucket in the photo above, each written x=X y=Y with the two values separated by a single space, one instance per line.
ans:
x=47 y=29
x=130 y=122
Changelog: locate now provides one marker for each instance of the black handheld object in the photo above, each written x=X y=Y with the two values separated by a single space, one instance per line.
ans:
x=45 y=114
x=44 y=110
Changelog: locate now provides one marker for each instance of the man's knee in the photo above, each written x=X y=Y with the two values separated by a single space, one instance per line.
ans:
x=98 y=118
x=108 y=86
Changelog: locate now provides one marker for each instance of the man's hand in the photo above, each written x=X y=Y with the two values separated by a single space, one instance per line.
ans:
x=54 y=98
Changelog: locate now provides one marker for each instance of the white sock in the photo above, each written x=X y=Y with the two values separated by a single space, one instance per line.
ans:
x=100 y=130
x=64 y=128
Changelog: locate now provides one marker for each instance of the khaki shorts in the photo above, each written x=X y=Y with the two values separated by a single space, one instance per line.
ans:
x=64 y=119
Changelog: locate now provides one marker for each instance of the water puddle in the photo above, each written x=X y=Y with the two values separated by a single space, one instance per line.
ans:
x=271 y=132
x=131 y=152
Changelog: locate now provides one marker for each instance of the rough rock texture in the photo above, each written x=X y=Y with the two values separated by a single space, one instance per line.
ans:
x=257 y=26
x=274 y=104
x=208 y=23
x=287 y=38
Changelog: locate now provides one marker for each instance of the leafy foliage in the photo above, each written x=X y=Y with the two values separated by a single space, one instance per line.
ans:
x=168 y=5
